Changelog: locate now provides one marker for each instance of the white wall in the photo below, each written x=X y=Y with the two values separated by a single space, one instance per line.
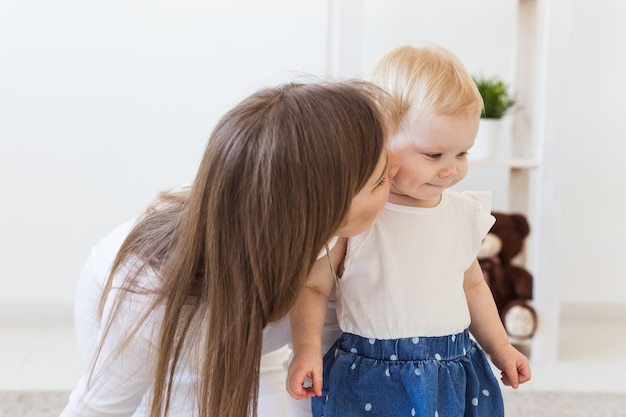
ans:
x=466 y=27
x=594 y=195
x=103 y=103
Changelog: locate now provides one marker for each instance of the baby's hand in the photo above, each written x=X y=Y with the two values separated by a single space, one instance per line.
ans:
x=304 y=376
x=513 y=364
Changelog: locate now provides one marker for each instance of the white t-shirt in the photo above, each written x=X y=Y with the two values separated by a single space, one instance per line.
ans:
x=403 y=277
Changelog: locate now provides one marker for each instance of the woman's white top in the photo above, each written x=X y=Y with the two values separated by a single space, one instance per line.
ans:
x=404 y=276
x=122 y=382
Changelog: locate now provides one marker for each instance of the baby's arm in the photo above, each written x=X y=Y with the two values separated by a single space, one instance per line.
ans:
x=489 y=331
x=307 y=321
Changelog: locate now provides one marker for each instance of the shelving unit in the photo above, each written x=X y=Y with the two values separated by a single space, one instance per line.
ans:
x=360 y=32
x=511 y=182
x=529 y=185
x=513 y=164
x=514 y=177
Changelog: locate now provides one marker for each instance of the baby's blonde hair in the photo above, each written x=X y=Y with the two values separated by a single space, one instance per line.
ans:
x=427 y=79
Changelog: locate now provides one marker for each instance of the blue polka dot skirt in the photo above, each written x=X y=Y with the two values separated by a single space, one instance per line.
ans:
x=447 y=376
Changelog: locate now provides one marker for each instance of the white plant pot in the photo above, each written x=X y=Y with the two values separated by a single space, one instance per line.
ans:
x=493 y=139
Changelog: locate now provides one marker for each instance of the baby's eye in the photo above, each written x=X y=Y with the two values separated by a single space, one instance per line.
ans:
x=433 y=155
x=461 y=155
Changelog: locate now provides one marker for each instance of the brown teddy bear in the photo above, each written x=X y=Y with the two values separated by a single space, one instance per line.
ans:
x=511 y=285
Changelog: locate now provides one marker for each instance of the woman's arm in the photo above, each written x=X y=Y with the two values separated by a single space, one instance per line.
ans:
x=123 y=373
x=307 y=322
x=489 y=331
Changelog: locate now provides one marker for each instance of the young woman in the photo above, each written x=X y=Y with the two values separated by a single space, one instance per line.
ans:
x=178 y=327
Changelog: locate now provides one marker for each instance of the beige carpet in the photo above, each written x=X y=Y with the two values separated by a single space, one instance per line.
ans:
x=518 y=404
x=32 y=403
x=553 y=404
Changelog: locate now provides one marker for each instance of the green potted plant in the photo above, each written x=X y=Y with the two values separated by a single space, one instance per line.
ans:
x=497 y=97
x=494 y=134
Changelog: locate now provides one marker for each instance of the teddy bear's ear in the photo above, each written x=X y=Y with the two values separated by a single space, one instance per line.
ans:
x=512 y=228
x=521 y=224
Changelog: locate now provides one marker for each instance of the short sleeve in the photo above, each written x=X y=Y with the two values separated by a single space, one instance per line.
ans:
x=483 y=219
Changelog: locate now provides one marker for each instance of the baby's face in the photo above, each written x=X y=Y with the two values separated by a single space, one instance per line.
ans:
x=433 y=157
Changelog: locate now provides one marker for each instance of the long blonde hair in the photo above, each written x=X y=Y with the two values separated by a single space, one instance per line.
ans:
x=427 y=79
x=232 y=251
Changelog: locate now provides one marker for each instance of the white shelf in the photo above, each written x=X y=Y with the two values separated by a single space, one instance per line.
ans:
x=511 y=163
